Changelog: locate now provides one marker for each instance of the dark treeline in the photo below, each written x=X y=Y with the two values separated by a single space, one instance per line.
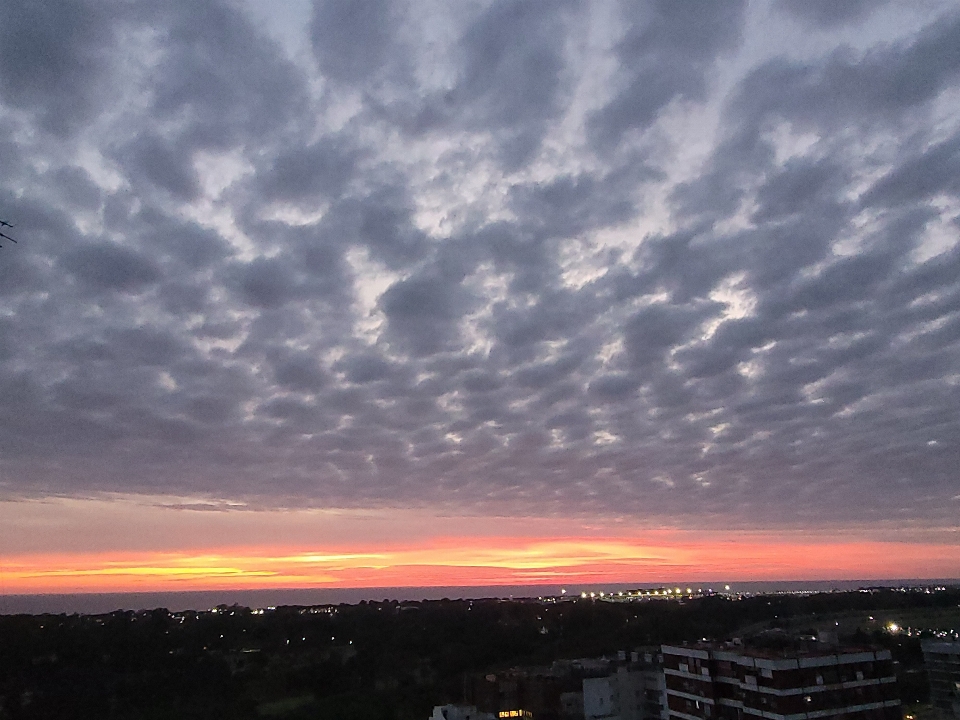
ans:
x=371 y=660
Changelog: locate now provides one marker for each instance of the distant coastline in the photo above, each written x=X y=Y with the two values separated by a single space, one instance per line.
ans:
x=96 y=603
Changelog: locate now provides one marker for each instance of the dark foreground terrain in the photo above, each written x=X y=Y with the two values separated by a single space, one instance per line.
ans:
x=394 y=660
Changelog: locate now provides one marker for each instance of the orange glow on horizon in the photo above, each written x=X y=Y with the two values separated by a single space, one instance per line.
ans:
x=475 y=561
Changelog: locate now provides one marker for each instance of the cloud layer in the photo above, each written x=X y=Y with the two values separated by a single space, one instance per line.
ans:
x=642 y=259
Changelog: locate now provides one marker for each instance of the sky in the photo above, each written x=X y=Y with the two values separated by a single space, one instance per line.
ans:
x=380 y=293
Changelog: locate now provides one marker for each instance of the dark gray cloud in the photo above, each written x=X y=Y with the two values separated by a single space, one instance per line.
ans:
x=299 y=371
x=827 y=14
x=351 y=41
x=423 y=312
x=482 y=260
x=512 y=73
x=319 y=171
x=55 y=57
x=507 y=77
x=167 y=168
x=108 y=266
x=922 y=177
x=862 y=89
x=217 y=77
x=666 y=52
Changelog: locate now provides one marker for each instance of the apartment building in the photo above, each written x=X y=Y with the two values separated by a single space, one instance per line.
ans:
x=942 y=659
x=709 y=682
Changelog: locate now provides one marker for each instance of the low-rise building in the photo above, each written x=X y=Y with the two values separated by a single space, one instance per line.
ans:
x=459 y=712
x=521 y=692
x=571 y=705
x=614 y=697
x=636 y=690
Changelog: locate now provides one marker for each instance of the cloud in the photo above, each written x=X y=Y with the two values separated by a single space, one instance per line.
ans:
x=629 y=261
x=320 y=170
x=106 y=266
x=422 y=312
x=351 y=41
x=665 y=54
x=165 y=167
x=923 y=177
x=511 y=77
x=826 y=14
x=55 y=58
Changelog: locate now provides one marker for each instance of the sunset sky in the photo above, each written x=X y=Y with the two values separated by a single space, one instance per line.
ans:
x=373 y=293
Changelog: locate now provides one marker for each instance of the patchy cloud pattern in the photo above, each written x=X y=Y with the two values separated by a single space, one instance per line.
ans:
x=658 y=259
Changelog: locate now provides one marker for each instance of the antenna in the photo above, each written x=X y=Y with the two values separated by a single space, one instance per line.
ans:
x=5 y=224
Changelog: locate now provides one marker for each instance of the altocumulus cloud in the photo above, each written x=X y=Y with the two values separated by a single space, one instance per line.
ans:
x=658 y=259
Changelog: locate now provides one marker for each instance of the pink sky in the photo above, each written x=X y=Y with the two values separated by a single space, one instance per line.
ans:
x=122 y=544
